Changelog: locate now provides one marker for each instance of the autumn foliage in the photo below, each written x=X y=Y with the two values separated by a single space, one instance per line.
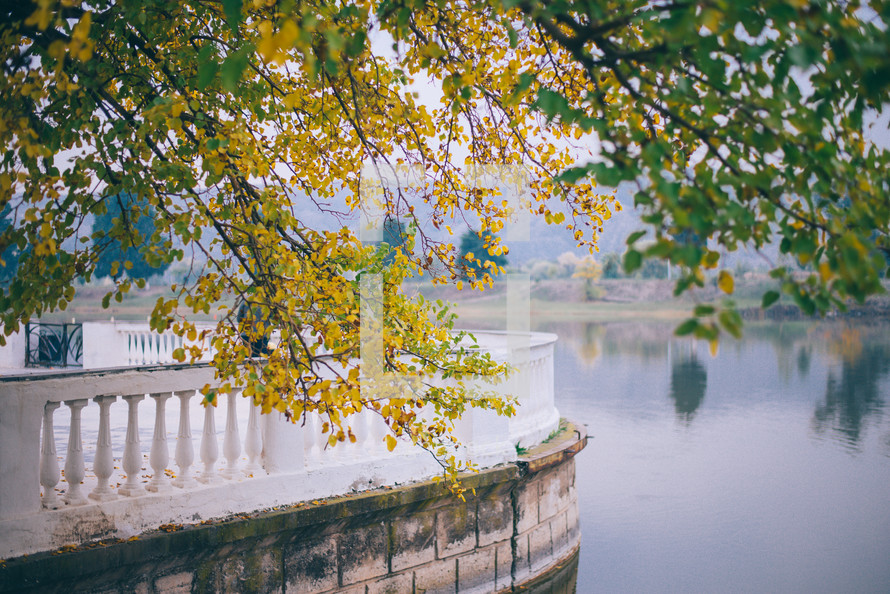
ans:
x=742 y=123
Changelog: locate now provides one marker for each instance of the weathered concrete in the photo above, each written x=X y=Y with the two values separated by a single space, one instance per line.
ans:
x=521 y=522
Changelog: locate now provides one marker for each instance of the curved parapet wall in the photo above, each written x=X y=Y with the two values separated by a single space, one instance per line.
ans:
x=521 y=522
x=57 y=489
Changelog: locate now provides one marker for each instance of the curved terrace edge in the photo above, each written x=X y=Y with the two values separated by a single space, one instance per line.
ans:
x=519 y=522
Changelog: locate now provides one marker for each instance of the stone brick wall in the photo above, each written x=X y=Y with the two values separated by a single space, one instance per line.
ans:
x=521 y=522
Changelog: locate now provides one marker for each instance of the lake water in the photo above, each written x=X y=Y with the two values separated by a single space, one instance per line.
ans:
x=763 y=469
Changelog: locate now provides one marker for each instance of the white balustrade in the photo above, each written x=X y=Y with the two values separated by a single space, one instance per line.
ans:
x=159 y=456
x=185 y=452
x=363 y=430
x=375 y=430
x=314 y=441
x=133 y=349
x=253 y=443
x=49 y=464
x=231 y=440
x=209 y=445
x=132 y=460
x=286 y=450
x=103 y=465
x=283 y=444
x=74 y=465
x=145 y=347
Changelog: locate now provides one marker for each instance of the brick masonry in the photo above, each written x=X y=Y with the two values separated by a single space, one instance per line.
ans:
x=521 y=522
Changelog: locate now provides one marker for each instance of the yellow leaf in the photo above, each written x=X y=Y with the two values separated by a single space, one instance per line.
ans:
x=390 y=442
x=726 y=282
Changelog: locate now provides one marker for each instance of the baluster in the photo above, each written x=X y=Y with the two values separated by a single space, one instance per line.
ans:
x=159 y=456
x=185 y=454
x=132 y=461
x=144 y=348
x=49 y=464
x=103 y=465
x=159 y=348
x=134 y=348
x=137 y=348
x=360 y=424
x=130 y=348
x=167 y=348
x=374 y=433
x=352 y=451
x=253 y=443
x=283 y=444
x=313 y=441
x=309 y=438
x=209 y=445
x=74 y=469
x=149 y=348
x=319 y=445
x=232 y=440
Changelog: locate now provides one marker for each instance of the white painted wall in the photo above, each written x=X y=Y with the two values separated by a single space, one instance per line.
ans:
x=12 y=354
x=104 y=345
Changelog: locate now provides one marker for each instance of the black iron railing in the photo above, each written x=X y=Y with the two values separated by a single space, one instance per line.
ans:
x=54 y=345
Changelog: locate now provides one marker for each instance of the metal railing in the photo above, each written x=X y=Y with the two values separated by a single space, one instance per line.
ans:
x=54 y=345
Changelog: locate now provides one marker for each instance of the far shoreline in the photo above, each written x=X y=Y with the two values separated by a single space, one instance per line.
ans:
x=551 y=300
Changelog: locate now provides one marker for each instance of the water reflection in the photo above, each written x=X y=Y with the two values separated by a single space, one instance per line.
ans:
x=785 y=338
x=689 y=381
x=853 y=359
x=560 y=580
x=592 y=340
x=762 y=485
x=854 y=396
x=804 y=359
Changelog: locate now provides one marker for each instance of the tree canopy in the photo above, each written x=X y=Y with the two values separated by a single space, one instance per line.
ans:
x=115 y=259
x=739 y=122
x=478 y=254
x=395 y=236
x=9 y=257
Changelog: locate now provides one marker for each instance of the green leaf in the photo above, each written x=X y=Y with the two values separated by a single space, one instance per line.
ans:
x=769 y=298
x=234 y=66
x=606 y=174
x=632 y=261
x=551 y=103
x=687 y=327
x=511 y=34
x=731 y=322
x=232 y=10
x=571 y=175
x=703 y=310
x=206 y=73
x=356 y=44
x=633 y=237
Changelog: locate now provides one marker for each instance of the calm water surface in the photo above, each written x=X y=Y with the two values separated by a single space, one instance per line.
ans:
x=763 y=469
